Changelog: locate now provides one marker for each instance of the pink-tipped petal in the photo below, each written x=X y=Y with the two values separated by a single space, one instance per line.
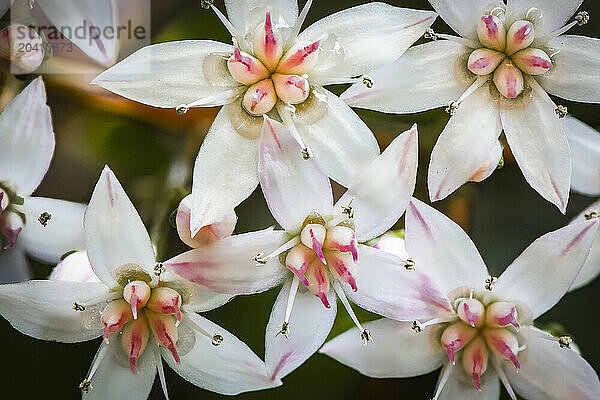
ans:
x=319 y=281
x=268 y=43
x=491 y=32
x=520 y=35
x=313 y=236
x=475 y=361
x=246 y=69
x=298 y=260
x=134 y=340
x=532 y=61
x=116 y=314
x=164 y=330
x=501 y=314
x=291 y=89
x=455 y=337
x=471 y=311
x=484 y=61
x=260 y=98
x=343 y=267
x=11 y=226
x=504 y=344
x=299 y=59
x=509 y=80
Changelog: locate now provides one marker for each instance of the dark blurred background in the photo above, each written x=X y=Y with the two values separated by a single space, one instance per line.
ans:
x=147 y=147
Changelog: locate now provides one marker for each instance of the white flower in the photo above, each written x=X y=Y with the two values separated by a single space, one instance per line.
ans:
x=45 y=228
x=318 y=254
x=478 y=328
x=271 y=69
x=494 y=78
x=142 y=313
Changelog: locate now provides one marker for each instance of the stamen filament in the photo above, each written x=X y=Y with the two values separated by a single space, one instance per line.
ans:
x=232 y=29
x=461 y=40
x=503 y=377
x=557 y=32
x=298 y=25
x=291 y=297
x=336 y=221
x=476 y=85
x=443 y=379
x=286 y=117
x=198 y=329
x=214 y=100
x=97 y=361
x=365 y=334
x=284 y=247
x=161 y=371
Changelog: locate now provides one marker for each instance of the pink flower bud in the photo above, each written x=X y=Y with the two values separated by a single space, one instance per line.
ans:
x=164 y=329
x=260 y=98
x=520 y=35
x=471 y=311
x=268 y=43
x=455 y=337
x=509 y=80
x=291 y=89
x=313 y=236
x=116 y=314
x=298 y=260
x=166 y=301
x=137 y=294
x=484 y=61
x=319 y=282
x=134 y=340
x=501 y=314
x=475 y=360
x=504 y=344
x=300 y=59
x=342 y=238
x=343 y=267
x=491 y=32
x=532 y=61
x=207 y=234
x=246 y=69
x=23 y=47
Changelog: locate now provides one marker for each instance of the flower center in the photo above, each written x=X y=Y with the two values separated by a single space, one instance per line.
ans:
x=140 y=311
x=270 y=74
x=323 y=253
x=11 y=220
x=507 y=55
x=479 y=330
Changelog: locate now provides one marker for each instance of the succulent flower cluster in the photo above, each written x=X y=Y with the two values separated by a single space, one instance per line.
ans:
x=281 y=129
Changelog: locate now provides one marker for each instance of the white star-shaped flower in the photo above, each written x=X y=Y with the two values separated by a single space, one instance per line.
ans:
x=271 y=69
x=479 y=328
x=495 y=77
x=144 y=314
x=318 y=254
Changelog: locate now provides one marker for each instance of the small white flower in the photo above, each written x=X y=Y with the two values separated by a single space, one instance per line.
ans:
x=495 y=77
x=479 y=328
x=142 y=312
x=272 y=68
x=318 y=254
x=45 y=228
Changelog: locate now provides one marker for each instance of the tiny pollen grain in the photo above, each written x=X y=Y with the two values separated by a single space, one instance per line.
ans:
x=368 y=81
x=409 y=264
x=417 y=327
x=366 y=337
x=307 y=153
x=565 y=341
x=206 y=4
x=78 y=307
x=44 y=218
x=490 y=281
x=591 y=214
x=182 y=109
x=582 y=18
x=561 y=111
x=217 y=340
x=452 y=107
x=430 y=34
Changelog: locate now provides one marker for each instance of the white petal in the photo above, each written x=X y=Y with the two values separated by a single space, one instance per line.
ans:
x=393 y=244
x=396 y=351
x=385 y=287
x=166 y=74
x=13 y=266
x=293 y=187
x=227 y=266
x=203 y=300
x=114 y=380
x=464 y=15
x=551 y=372
x=74 y=268
x=114 y=232
x=245 y=14
x=585 y=154
x=27 y=139
x=383 y=190
x=63 y=231
x=309 y=326
x=465 y=144
x=425 y=77
x=225 y=172
x=591 y=268
x=555 y=13
x=95 y=16
x=340 y=140
x=539 y=144
x=368 y=35
x=441 y=249
x=543 y=273
x=460 y=386
x=229 y=368
x=576 y=71
x=44 y=309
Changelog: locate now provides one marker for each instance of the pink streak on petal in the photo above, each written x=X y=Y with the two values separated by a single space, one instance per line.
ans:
x=282 y=361
x=491 y=26
x=12 y=235
x=576 y=239
x=109 y=189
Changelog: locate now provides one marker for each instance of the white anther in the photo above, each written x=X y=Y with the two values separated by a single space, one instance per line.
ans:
x=430 y=34
x=368 y=81
x=182 y=109
x=565 y=341
x=490 y=281
x=582 y=18
x=44 y=218
x=561 y=111
x=452 y=107
x=591 y=214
